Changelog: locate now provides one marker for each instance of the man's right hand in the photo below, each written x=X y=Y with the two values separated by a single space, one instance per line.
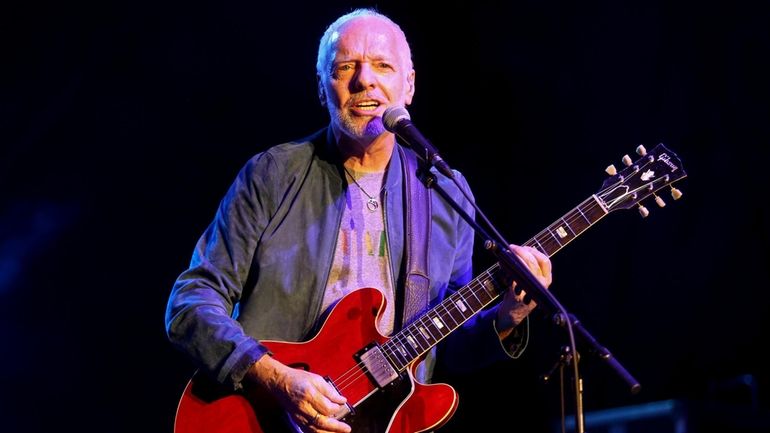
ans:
x=307 y=397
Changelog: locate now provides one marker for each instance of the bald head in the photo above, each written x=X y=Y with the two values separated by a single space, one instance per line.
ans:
x=331 y=36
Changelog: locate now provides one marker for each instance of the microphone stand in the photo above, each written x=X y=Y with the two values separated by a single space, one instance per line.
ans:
x=498 y=246
x=565 y=358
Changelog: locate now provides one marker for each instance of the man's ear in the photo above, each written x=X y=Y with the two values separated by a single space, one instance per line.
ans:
x=410 y=88
x=321 y=90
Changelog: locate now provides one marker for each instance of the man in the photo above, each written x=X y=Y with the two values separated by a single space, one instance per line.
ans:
x=307 y=222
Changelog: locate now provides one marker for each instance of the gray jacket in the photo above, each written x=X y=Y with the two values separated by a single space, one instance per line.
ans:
x=260 y=269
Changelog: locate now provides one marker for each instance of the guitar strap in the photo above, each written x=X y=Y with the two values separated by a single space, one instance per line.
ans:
x=417 y=231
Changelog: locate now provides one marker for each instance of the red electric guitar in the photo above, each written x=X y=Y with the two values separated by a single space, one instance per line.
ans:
x=376 y=373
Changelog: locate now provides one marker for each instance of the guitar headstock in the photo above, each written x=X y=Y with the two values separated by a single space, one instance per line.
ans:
x=642 y=178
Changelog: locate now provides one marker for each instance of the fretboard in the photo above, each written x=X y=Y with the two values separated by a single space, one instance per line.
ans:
x=431 y=327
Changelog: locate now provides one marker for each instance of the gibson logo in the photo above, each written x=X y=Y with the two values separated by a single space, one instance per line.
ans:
x=667 y=160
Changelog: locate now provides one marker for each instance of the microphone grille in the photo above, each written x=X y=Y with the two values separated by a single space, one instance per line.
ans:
x=393 y=115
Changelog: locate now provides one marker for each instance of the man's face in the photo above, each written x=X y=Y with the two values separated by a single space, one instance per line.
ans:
x=369 y=71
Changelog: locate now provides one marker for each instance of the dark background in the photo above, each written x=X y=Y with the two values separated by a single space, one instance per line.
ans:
x=123 y=123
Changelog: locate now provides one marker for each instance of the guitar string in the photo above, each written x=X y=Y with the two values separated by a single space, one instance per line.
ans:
x=354 y=375
x=548 y=237
x=344 y=383
x=545 y=236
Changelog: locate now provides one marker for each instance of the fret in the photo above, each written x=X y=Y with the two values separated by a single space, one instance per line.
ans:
x=408 y=345
x=401 y=348
x=399 y=361
x=600 y=204
x=597 y=209
x=475 y=303
x=421 y=339
x=424 y=332
x=427 y=327
x=454 y=312
x=460 y=304
x=414 y=339
x=569 y=227
x=578 y=225
x=550 y=231
x=414 y=344
x=490 y=289
x=584 y=217
x=448 y=314
x=561 y=232
x=555 y=237
x=438 y=324
x=389 y=355
x=550 y=246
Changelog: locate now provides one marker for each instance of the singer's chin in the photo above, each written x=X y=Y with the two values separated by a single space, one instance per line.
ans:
x=358 y=127
x=374 y=127
x=368 y=129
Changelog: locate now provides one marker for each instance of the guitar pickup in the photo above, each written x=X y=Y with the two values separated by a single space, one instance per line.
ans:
x=377 y=366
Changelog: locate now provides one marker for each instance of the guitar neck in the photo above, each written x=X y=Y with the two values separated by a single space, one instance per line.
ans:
x=427 y=330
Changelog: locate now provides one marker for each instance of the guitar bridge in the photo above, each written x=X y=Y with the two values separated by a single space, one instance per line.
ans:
x=345 y=410
x=378 y=367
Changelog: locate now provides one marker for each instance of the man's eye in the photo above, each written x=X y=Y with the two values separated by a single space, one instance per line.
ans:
x=383 y=65
x=344 y=68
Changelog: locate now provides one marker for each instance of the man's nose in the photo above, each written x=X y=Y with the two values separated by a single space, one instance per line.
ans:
x=365 y=78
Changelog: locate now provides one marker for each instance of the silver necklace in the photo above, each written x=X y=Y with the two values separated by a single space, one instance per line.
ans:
x=372 y=204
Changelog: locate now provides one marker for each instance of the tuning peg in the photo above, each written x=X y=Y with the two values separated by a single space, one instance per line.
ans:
x=676 y=193
x=627 y=160
x=611 y=170
x=643 y=211
x=659 y=201
x=640 y=150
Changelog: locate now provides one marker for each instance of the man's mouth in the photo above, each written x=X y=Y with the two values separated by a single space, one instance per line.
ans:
x=368 y=105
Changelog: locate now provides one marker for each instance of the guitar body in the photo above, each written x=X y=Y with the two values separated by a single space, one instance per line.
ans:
x=402 y=406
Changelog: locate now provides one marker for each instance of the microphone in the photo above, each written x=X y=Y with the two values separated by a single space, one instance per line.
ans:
x=396 y=120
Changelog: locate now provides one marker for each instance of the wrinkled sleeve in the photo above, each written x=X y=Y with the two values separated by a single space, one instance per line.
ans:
x=200 y=311
x=476 y=343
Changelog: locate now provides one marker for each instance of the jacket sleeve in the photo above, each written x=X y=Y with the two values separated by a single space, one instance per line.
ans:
x=476 y=344
x=202 y=306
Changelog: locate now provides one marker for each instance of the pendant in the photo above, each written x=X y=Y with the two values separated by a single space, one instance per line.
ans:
x=372 y=205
